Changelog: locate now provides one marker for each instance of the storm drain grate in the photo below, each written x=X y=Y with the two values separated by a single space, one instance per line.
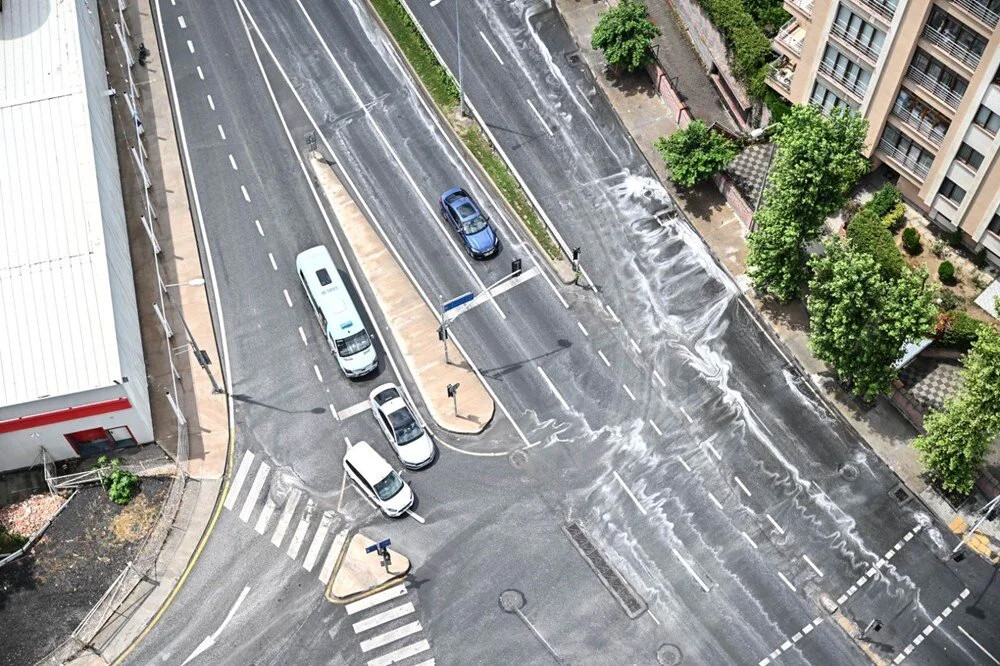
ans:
x=901 y=494
x=629 y=600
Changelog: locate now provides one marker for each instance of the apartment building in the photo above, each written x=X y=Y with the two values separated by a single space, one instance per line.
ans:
x=926 y=75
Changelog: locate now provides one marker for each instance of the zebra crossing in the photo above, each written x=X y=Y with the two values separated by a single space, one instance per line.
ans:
x=295 y=528
x=387 y=631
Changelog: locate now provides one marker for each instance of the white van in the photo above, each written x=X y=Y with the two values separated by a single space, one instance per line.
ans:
x=377 y=480
x=346 y=334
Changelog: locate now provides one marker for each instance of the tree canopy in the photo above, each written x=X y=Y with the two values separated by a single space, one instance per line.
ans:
x=695 y=153
x=624 y=34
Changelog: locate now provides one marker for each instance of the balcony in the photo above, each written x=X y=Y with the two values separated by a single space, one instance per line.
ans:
x=922 y=123
x=884 y=10
x=905 y=159
x=980 y=11
x=856 y=88
x=791 y=36
x=782 y=76
x=804 y=7
x=936 y=88
x=867 y=50
x=946 y=43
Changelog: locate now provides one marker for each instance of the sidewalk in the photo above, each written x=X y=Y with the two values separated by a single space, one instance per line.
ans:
x=413 y=324
x=885 y=430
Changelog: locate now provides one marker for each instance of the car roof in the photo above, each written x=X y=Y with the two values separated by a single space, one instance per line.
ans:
x=393 y=405
x=377 y=392
x=368 y=462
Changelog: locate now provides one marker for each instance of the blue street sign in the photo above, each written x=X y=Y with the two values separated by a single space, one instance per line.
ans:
x=460 y=300
x=378 y=546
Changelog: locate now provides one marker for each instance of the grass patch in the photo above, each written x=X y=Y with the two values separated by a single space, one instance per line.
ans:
x=444 y=92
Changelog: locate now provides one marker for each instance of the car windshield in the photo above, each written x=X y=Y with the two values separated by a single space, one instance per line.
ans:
x=405 y=426
x=474 y=225
x=387 y=488
x=353 y=344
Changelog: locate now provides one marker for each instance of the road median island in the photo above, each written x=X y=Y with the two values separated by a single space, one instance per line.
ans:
x=413 y=323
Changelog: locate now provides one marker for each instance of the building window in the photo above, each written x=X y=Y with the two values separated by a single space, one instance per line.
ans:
x=853 y=29
x=956 y=32
x=969 y=156
x=994 y=226
x=904 y=149
x=845 y=71
x=825 y=98
x=988 y=120
x=949 y=190
x=941 y=77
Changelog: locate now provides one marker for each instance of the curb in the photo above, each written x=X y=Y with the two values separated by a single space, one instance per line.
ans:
x=333 y=599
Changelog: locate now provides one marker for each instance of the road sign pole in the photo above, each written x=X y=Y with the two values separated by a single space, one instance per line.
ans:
x=453 y=394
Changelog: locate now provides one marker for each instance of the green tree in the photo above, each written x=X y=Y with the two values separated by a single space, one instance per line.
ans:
x=695 y=153
x=860 y=319
x=959 y=437
x=818 y=161
x=869 y=234
x=624 y=34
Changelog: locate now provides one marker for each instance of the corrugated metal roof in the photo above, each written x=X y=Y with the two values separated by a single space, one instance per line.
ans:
x=57 y=332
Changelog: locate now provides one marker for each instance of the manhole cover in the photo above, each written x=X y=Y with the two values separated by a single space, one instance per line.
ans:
x=849 y=471
x=511 y=600
x=669 y=655
x=517 y=458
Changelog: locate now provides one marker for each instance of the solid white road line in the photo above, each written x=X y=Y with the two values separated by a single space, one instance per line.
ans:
x=288 y=299
x=751 y=541
x=241 y=475
x=294 y=495
x=246 y=195
x=656 y=428
x=211 y=102
x=326 y=570
x=390 y=636
x=583 y=329
x=265 y=515
x=629 y=491
x=539 y=116
x=686 y=466
x=318 y=375
x=374 y=600
x=317 y=543
x=690 y=570
x=300 y=531
x=274 y=264
x=977 y=644
x=401 y=654
x=201 y=75
x=190 y=46
x=180 y=20
x=393 y=613
x=711 y=448
x=552 y=387
x=741 y=485
x=490 y=45
x=353 y=410
x=776 y=525
x=260 y=229
x=716 y=502
x=659 y=379
x=612 y=313
x=787 y=582
x=222 y=132
x=232 y=162
x=689 y=420
x=630 y=394
x=254 y=494
x=416 y=516
x=604 y=358
x=814 y=567
x=302 y=334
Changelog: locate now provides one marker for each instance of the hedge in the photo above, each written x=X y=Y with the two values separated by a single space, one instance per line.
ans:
x=958 y=329
x=883 y=201
x=868 y=233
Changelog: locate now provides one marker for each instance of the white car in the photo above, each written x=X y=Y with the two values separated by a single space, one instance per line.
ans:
x=411 y=442
x=378 y=480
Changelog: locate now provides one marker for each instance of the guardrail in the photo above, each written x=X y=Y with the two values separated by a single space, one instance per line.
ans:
x=855 y=88
x=841 y=31
x=936 y=88
x=950 y=46
x=980 y=11
x=920 y=123
x=902 y=158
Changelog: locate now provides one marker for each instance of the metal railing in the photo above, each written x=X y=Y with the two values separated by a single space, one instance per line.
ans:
x=785 y=37
x=783 y=77
x=936 y=88
x=948 y=44
x=980 y=11
x=919 y=123
x=856 y=88
x=805 y=6
x=882 y=8
x=841 y=31
x=903 y=158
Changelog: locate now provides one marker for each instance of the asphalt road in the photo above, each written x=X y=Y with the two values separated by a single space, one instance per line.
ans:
x=652 y=410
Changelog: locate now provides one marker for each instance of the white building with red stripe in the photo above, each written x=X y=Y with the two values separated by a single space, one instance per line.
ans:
x=72 y=371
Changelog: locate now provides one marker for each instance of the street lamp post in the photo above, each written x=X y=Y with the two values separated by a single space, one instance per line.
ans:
x=199 y=353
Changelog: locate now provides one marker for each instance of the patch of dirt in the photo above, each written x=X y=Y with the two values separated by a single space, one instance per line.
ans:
x=30 y=515
x=135 y=520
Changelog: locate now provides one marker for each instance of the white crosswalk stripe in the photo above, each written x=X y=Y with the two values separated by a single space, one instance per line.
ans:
x=390 y=636
x=265 y=515
x=294 y=495
x=375 y=599
x=383 y=617
x=400 y=654
x=353 y=410
x=254 y=494
x=241 y=475
x=331 y=556
x=300 y=531
x=317 y=543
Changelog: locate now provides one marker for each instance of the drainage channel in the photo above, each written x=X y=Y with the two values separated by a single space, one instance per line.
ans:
x=631 y=602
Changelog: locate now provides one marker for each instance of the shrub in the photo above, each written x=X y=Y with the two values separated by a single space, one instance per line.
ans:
x=121 y=484
x=868 y=234
x=695 y=153
x=946 y=272
x=959 y=330
x=884 y=201
x=937 y=247
x=768 y=14
x=750 y=46
x=895 y=219
x=980 y=259
x=955 y=238
x=949 y=300
x=10 y=542
x=624 y=34
x=911 y=240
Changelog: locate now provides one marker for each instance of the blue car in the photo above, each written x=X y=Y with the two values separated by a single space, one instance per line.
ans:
x=470 y=223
